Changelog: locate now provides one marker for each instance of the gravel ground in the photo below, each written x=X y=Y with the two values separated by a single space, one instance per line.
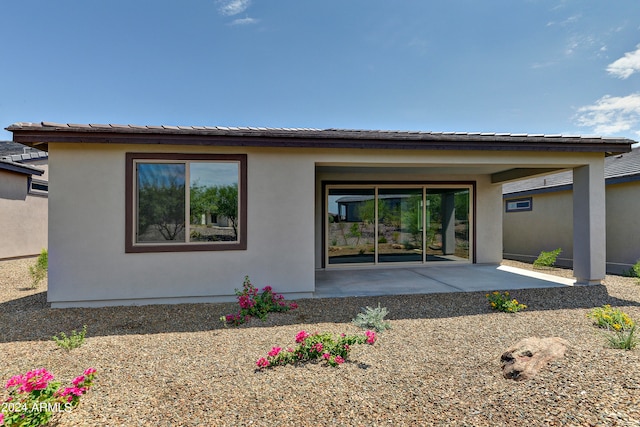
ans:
x=439 y=364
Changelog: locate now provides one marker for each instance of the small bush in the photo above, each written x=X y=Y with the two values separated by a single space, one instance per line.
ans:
x=75 y=340
x=254 y=303
x=547 y=259
x=38 y=271
x=502 y=302
x=624 y=339
x=372 y=318
x=611 y=318
x=634 y=271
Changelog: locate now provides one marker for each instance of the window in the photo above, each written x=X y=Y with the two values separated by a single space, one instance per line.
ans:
x=38 y=187
x=518 y=205
x=182 y=202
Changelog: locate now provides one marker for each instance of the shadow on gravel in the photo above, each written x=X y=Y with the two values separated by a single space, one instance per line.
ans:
x=33 y=320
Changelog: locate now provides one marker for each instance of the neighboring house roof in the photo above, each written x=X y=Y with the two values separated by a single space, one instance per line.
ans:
x=19 y=153
x=620 y=168
x=11 y=166
x=39 y=135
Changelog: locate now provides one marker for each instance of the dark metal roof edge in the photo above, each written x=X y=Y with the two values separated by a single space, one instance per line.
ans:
x=19 y=168
x=565 y=187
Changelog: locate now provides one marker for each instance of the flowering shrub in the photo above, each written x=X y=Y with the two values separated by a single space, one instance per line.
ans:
x=501 y=302
x=611 y=318
x=316 y=346
x=34 y=397
x=256 y=303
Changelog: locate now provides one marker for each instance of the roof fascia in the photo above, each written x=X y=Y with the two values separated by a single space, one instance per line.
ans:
x=41 y=139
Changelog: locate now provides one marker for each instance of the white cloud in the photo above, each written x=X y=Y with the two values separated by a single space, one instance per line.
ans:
x=627 y=65
x=612 y=115
x=232 y=7
x=244 y=21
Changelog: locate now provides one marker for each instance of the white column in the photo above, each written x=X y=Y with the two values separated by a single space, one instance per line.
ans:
x=589 y=224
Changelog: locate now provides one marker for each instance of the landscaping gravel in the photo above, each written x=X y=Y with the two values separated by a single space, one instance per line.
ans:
x=177 y=365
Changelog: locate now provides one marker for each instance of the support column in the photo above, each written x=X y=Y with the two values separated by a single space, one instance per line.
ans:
x=589 y=224
x=448 y=223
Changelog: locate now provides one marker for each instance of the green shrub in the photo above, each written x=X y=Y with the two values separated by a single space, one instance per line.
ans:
x=634 y=271
x=611 y=318
x=372 y=318
x=547 y=259
x=38 y=271
x=502 y=302
x=75 y=340
x=624 y=339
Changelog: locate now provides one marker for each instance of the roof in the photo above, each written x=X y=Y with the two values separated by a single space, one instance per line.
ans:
x=15 y=152
x=39 y=135
x=10 y=166
x=620 y=168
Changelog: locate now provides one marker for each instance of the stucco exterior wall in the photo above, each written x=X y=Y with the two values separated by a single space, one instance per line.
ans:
x=87 y=262
x=550 y=225
x=88 y=265
x=623 y=226
x=23 y=217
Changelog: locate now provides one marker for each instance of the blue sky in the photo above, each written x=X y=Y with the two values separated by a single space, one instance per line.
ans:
x=530 y=66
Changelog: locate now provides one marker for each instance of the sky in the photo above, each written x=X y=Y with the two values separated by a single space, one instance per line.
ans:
x=518 y=66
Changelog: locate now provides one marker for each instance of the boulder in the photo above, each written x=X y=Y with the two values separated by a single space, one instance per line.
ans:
x=524 y=359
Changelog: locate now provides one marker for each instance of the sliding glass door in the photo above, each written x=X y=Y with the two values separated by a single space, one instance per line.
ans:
x=384 y=224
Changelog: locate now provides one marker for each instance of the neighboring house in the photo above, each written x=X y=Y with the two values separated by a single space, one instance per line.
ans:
x=23 y=200
x=538 y=214
x=133 y=233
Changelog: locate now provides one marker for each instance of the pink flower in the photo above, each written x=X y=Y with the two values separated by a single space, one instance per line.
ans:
x=317 y=347
x=346 y=347
x=302 y=335
x=339 y=360
x=78 y=380
x=326 y=356
x=32 y=380
x=1 y=418
x=90 y=371
x=371 y=337
x=293 y=306
x=267 y=289
x=274 y=351
x=262 y=363
x=290 y=350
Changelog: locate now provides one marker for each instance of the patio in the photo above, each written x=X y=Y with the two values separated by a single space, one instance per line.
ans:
x=346 y=282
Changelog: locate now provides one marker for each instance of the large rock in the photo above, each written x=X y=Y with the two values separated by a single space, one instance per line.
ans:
x=524 y=359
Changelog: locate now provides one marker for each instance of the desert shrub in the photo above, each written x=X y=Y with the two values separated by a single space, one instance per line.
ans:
x=634 y=271
x=503 y=302
x=255 y=303
x=611 y=318
x=38 y=271
x=372 y=318
x=547 y=259
x=623 y=339
x=75 y=340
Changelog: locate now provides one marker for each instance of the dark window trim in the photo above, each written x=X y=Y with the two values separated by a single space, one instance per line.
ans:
x=130 y=247
x=523 y=199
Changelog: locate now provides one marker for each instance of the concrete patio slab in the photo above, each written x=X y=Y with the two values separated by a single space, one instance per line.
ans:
x=432 y=279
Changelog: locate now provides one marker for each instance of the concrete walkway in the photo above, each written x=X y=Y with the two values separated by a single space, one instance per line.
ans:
x=432 y=279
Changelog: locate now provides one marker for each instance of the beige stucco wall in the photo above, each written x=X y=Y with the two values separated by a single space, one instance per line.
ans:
x=88 y=265
x=550 y=225
x=87 y=259
x=23 y=217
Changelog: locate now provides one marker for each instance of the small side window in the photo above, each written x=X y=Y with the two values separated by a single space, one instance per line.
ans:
x=519 y=205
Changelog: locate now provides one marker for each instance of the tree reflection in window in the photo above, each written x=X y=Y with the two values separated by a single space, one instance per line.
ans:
x=214 y=202
x=161 y=202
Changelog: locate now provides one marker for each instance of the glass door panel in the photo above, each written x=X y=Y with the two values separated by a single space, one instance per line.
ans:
x=400 y=225
x=447 y=224
x=351 y=226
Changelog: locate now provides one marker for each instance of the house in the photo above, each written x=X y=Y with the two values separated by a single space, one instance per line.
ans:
x=23 y=200
x=538 y=214
x=133 y=233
